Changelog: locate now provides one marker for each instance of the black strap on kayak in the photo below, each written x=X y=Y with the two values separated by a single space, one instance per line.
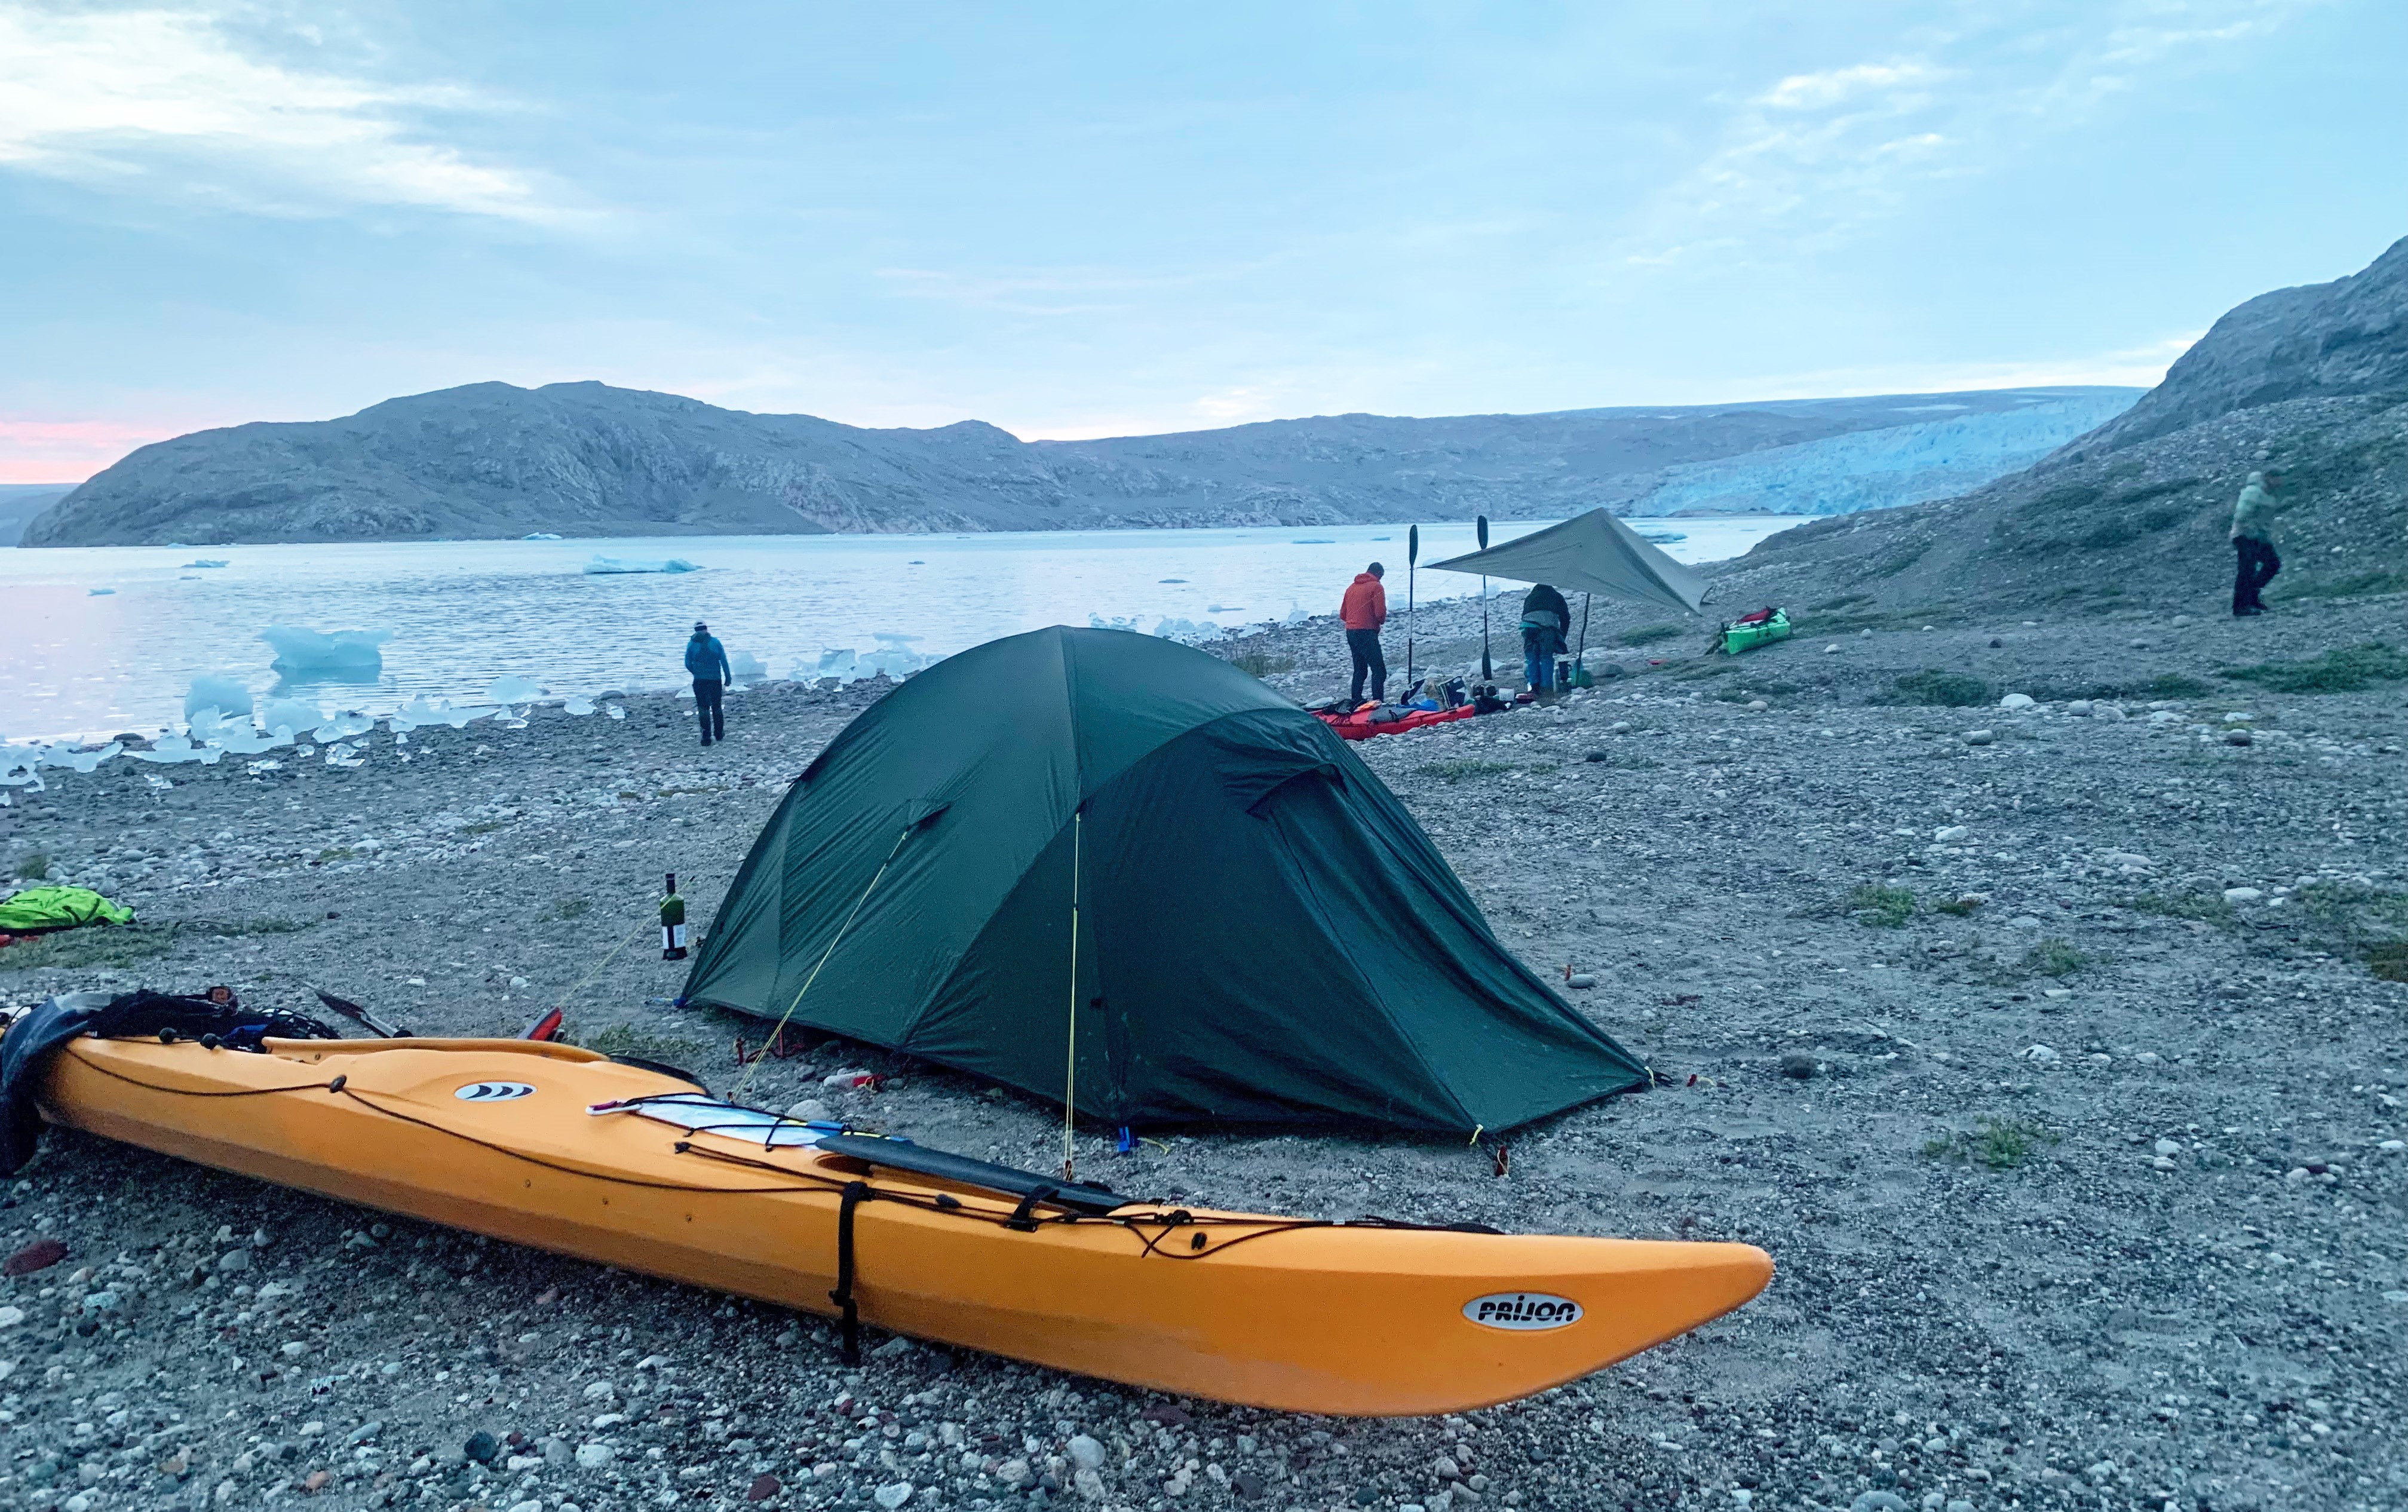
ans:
x=1024 y=1217
x=849 y=1350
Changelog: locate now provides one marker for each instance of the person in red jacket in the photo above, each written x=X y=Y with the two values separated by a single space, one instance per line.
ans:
x=1364 y=609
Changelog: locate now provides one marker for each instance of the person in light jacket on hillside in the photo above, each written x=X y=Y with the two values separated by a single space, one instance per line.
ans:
x=1364 y=610
x=2254 y=559
x=706 y=661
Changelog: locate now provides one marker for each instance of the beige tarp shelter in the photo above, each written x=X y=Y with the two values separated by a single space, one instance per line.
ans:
x=1593 y=553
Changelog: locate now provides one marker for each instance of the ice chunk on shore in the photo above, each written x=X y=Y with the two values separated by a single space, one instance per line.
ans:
x=839 y=664
x=291 y=717
x=214 y=690
x=175 y=750
x=420 y=710
x=301 y=652
x=578 y=704
x=1119 y=622
x=601 y=565
x=344 y=725
x=615 y=711
x=341 y=753
x=1295 y=613
x=512 y=688
x=1186 y=629
x=747 y=667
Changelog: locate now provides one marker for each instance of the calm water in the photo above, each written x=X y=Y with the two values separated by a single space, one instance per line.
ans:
x=77 y=663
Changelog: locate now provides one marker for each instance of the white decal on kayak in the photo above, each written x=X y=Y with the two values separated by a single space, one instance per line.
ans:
x=494 y=1091
x=1523 y=1310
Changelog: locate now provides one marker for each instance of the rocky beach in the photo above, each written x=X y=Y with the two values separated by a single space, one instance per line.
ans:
x=2053 y=1048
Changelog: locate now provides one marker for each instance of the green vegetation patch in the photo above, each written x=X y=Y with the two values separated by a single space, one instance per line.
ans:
x=1934 y=688
x=1647 y=634
x=1262 y=663
x=107 y=946
x=1844 y=601
x=1881 y=907
x=2371 y=922
x=1456 y=771
x=33 y=868
x=1996 y=1143
x=572 y=908
x=621 y=1040
x=2053 y=957
x=2342 y=669
x=2349 y=585
x=2201 y=907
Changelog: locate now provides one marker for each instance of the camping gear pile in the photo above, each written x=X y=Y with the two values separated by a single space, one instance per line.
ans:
x=1749 y=631
x=564 y=1149
x=1120 y=873
x=38 y=911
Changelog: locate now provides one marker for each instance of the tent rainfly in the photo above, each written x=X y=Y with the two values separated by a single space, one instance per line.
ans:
x=1592 y=552
x=1262 y=934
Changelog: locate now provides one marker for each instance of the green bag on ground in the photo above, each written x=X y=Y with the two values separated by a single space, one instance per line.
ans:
x=1752 y=631
x=36 y=909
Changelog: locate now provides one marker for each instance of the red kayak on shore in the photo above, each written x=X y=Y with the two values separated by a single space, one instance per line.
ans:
x=1359 y=726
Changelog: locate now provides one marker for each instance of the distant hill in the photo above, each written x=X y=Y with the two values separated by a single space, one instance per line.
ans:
x=583 y=459
x=20 y=503
x=2311 y=381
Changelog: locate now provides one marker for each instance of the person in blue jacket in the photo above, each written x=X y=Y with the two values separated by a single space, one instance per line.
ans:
x=705 y=659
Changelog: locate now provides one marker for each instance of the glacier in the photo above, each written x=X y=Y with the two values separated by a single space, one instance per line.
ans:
x=1871 y=469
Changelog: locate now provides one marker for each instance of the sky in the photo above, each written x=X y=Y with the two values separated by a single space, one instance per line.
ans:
x=1074 y=220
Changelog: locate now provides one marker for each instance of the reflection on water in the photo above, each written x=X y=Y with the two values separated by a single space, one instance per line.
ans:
x=461 y=614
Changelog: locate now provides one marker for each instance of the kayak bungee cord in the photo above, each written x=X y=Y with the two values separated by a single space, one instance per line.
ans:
x=746 y=1080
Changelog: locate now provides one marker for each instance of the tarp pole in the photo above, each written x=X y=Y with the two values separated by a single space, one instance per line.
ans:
x=1587 y=599
x=1487 y=669
x=1413 y=558
x=1070 y=1066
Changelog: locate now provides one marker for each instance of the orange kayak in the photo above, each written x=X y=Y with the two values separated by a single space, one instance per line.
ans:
x=566 y=1150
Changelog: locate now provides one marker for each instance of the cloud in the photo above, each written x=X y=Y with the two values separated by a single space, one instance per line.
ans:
x=1806 y=162
x=141 y=99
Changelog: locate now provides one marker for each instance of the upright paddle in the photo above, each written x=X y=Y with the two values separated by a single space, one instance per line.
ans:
x=1487 y=670
x=1412 y=554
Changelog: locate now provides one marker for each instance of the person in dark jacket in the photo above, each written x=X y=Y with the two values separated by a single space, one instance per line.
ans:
x=706 y=661
x=1545 y=616
x=1363 y=611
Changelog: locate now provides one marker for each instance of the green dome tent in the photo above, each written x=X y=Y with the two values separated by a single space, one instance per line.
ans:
x=1263 y=933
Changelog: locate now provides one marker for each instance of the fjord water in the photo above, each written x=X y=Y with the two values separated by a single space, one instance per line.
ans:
x=79 y=661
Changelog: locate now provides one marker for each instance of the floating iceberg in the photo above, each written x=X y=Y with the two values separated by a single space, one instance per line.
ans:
x=1312 y=540
x=98 y=592
x=603 y=566
x=512 y=688
x=212 y=690
x=540 y=535
x=301 y=652
x=204 y=561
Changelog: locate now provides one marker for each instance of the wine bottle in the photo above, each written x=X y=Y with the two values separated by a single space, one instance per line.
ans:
x=672 y=923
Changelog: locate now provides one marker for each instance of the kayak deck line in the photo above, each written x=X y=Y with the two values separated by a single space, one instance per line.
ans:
x=1356 y=1317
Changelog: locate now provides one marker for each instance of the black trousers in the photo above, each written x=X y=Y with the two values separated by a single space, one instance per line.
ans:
x=706 y=710
x=1365 y=647
x=2254 y=565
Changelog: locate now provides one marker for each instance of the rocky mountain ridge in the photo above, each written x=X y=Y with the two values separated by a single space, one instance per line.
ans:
x=2134 y=517
x=585 y=460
